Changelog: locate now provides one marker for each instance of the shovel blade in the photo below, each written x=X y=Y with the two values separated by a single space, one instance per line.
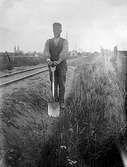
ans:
x=53 y=109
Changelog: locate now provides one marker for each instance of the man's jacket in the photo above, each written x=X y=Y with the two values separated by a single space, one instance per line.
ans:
x=56 y=51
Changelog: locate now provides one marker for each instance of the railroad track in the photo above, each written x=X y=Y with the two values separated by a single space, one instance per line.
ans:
x=11 y=78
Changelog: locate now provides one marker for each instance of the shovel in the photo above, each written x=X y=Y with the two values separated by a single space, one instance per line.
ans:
x=53 y=107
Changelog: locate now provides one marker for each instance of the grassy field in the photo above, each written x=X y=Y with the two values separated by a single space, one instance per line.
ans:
x=24 y=125
x=93 y=119
x=18 y=61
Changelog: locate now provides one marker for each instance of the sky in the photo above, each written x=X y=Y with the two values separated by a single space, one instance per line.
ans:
x=87 y=24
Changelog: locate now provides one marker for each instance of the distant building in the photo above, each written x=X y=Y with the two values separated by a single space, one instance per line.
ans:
x=73 y=53
x=17 y=50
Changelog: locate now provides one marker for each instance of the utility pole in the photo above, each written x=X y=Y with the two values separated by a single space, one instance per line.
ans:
x=66 y=35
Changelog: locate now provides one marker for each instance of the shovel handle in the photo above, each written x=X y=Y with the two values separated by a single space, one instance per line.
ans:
x=53 y=89
x=53 y=80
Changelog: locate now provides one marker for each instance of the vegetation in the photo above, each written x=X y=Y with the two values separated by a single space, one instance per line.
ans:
x=90 y=125
x=8 y=62
x=24 y=125
x=95 y=114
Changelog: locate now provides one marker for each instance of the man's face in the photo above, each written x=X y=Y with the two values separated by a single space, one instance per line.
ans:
x=57 y=31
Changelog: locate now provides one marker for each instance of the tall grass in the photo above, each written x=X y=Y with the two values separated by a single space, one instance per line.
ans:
x=95 y=112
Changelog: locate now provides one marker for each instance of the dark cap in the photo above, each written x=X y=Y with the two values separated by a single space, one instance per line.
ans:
x=57 y=24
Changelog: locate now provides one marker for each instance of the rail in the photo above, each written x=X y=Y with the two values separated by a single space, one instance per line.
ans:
x=8 y=79
x=18 y=72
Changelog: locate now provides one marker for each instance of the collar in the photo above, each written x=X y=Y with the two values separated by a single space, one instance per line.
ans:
x=56 y=38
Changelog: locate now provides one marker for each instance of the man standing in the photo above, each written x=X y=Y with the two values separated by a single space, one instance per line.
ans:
x=56 y=50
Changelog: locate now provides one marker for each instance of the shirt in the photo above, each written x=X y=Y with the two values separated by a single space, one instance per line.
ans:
x=64 y=52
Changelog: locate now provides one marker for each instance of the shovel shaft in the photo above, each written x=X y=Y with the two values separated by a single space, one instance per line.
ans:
x=53 y=80
x=53 y=107
x=53 y=84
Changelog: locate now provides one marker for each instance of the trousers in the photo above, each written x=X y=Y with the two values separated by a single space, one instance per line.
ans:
x=59 y=82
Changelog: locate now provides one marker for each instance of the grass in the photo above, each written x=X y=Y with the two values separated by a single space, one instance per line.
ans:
x=95 y=112
x=93 y=119
x=18 y=61
x=24 y=125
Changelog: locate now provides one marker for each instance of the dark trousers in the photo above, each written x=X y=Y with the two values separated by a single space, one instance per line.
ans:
x=60 y=79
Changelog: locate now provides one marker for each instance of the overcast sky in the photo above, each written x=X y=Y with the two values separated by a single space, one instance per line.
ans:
x=88 y=24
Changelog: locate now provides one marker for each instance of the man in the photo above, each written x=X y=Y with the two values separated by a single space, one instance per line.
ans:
x=56 y=50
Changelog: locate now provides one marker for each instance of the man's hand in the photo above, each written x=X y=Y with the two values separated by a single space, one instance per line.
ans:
x=57 y=62
x=49 y=62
